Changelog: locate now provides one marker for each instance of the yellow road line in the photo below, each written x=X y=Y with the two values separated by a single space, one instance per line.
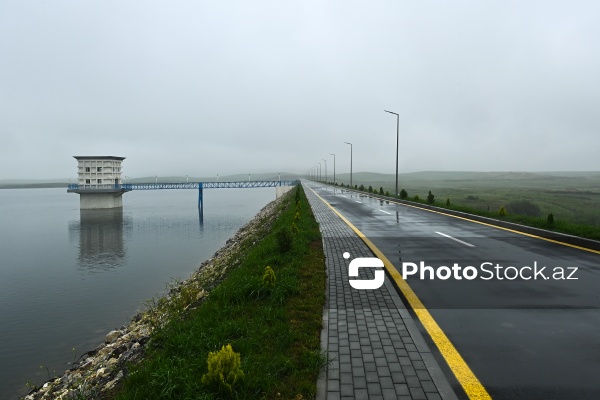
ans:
x=467 y=379
x=494 y=226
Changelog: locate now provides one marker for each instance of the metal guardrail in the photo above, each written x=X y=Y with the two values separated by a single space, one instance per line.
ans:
x=185 y=185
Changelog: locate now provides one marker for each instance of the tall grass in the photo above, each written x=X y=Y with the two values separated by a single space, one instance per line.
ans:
x=275 y=329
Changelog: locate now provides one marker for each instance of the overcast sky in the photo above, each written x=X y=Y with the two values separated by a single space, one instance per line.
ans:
x=222 y=87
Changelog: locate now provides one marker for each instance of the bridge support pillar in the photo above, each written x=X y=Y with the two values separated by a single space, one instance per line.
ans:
x=200 y=205
x=93 y=201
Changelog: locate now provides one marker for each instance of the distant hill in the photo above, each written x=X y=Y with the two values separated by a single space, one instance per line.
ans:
x=453 y=179
x=423 y=179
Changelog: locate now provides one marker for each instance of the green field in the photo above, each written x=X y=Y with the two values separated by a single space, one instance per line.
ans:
x=571 y=196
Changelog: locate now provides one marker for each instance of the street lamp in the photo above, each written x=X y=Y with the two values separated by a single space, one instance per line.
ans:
x=333 y=167
x=350 y=163
x=325 y=169
x=397 y=143
x=320 y=172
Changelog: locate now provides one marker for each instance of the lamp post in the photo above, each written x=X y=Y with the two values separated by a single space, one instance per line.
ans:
x=350 y=163
x=397 y=143
x=333 y=167
x=320 y=175
x=325 y=169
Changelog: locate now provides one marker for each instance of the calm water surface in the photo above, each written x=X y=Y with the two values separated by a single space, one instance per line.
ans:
x=67 y=276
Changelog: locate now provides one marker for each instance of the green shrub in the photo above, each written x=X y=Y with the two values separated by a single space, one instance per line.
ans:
x=284 y=239
x=448 y=202
x=430 y=198
x=550 y=219
x=269 y=278
x=370 y=189
x=223 y=370
x=387 y=193
x=523 y=207
x=294 y=228
x=380 y=190
x=416 y=198
x=403 y=194
x=502 y=211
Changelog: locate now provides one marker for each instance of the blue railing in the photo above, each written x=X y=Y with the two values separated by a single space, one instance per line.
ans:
x=185 y=185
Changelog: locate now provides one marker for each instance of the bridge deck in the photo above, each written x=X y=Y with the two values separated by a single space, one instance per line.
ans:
x=187 y=185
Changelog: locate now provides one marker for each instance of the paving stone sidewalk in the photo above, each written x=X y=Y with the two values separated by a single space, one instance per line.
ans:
x=374 y=347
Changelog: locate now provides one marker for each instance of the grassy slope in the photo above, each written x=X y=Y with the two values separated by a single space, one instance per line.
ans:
x=276 y=332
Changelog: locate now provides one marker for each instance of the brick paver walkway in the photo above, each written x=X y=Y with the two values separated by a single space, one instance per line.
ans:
x=374 y=347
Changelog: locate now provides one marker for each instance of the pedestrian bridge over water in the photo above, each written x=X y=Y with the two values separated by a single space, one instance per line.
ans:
x=109 y=196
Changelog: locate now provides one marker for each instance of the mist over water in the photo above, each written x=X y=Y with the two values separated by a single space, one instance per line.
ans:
x=67 y=276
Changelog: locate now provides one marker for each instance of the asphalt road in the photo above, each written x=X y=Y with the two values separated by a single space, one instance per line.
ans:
x=523 y=339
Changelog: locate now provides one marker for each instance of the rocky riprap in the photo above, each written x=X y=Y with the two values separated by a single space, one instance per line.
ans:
x=98 y=373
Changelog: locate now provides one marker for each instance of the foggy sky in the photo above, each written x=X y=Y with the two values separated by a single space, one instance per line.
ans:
x=223 y=87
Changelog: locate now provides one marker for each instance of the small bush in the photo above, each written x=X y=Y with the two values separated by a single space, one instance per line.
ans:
x=380 y=190
x=416 y=198
x=523 y=207
x=448 y=202
x=269 y=278
x=361 y=187
x=284 y=239
x=550 y=219
x=430 y=198
x=403 y=194
x=387 y=193
x=370 y=189
x=223 y=370
x=502 y=211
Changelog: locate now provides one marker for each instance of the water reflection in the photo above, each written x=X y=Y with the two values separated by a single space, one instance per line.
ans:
x=101 y=244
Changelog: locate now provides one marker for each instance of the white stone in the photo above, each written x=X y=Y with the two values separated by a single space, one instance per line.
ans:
x=112 y=335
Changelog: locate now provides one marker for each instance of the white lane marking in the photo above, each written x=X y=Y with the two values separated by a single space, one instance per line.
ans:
x=385 y=212
x=458 y=240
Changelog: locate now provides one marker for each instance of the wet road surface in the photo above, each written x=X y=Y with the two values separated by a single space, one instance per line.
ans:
x=536 y=338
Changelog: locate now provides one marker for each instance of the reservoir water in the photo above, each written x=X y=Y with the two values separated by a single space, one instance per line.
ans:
x=67 y=277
